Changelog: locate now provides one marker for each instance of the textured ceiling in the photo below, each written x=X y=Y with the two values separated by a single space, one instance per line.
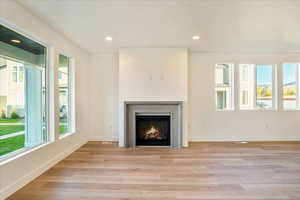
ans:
x=223 y=25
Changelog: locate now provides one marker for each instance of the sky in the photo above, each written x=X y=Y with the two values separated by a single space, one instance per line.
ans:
x=264 y=74
x=289 y=71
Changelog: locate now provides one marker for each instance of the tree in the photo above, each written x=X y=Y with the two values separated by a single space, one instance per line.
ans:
x=14 y=115
x=3 y=115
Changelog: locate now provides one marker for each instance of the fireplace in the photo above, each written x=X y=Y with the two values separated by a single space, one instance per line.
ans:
x=153 y=130
x=153 y=123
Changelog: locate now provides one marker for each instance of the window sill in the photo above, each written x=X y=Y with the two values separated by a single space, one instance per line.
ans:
x=65 y=135
x=259 y=110
x=20 y=153
x=227 y=110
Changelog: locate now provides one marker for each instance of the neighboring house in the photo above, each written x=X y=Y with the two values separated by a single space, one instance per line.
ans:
x=3 y=90
x=246 y=86
x=63 y=90
x=223 y=90
x=12 y=87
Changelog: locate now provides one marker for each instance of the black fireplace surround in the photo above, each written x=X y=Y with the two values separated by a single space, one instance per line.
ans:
x=153 y=130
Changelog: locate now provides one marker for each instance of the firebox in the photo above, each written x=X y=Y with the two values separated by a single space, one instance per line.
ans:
x=153 y=130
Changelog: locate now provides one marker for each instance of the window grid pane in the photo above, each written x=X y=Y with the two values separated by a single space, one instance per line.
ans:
x=264 y=86
x=246 y=86
x=289 y=88
x=64 y=95
x=224 y=86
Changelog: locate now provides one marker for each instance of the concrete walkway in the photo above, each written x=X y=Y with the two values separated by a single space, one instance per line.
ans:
x=11 y=124
x=11 y=135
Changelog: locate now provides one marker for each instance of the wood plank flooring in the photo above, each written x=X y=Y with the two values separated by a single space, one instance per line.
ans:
x=203 y=171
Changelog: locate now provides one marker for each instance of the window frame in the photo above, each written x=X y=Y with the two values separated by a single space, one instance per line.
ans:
x=16 y=71
x=274 y=88
x=239 y=89
x=21 y=72
x=71 y=96
x=297 y=86
x=245 y=97
x=48 y=86
x=243 y=73
x=254 y=87
x=14 y=74
x=232 y=88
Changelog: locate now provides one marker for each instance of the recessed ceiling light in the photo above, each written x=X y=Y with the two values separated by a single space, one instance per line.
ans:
x=16 y=41
x=108 y=38
x=196 y=37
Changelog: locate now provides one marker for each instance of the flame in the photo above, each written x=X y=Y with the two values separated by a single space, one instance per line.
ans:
x=152 y=133
x=152 y=130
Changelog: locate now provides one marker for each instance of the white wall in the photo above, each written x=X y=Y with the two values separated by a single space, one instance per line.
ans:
x=152 y=74
x=206 y=124
x=16 y=173
x=103 y=101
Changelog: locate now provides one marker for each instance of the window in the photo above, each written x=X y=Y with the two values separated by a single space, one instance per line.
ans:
x=246 y=86
x=224 y=86
x=290 y=86
x=65 y=100
x=244 y=70
x=15 y=74
x=256 y=87
x=18 y=73
x=23 y=93
x=264 y=87
x=60 y=74
x=21 y=74
x=245 y=97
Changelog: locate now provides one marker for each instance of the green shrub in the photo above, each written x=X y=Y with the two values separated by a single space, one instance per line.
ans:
x=3 y=115
x=14 y=115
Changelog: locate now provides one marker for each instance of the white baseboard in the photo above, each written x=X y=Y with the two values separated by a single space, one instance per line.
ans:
x=103 y=138
x=244 y=139
x=22 y=181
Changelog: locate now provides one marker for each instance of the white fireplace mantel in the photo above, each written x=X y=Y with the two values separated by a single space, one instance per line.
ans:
x=154 y=76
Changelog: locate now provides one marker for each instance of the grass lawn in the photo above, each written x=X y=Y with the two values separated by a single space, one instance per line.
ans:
x=11 y=144
x=63 y=120
x=63 y=129
x=8 y=129
x=10 y=120
x=17 y=142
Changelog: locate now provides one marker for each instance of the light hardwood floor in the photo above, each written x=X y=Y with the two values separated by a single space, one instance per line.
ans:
x=204 y=171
